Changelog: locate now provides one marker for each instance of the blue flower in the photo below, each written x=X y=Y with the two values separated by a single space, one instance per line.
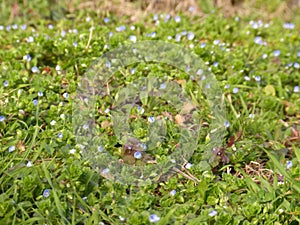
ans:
x=34 y=69
x=215 y=64
x=258 y=40
x=296 y=89
x=11 y=148
x=247 y=78
x=173 y=192
x=213 y=213
x=151 y=119
x=27 y=57
x=155 y=17
x=257 y=78
x=132 y=38
x=60 y=135
x=153 y=218
x=5 y=83
x=298 y=54
x=40 y=94
x=50 y=26
x=46 y=193
x=105 y=171
x=140 y=110
x=177 y=37
x=290 y=26
x=296 y=65
x=120 y=28
x=2 y=118
x=153 y=34
x=227 y=86
x=163 y=86
x=66 y=95
x=177 y=19
x=132 y=70
x=188 y=166
x=190 y=36
x=203 y=45
x=108 y=64
x=23 y=26
x=137 y=155
x=264 y=56
x=226 y=124
x=216 y=42
x=276 y=53
x=235 y=90
x=35 y=102
x=106 y=20
x=14 y=26
x=30 y=39
x=289 y=164
x=75 y=44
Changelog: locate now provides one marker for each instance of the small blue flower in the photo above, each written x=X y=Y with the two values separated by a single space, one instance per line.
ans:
x=215 y=64
x=216 y=42
x=75 y=44
x=106 y=20
x=289 y=164
x=14 y=26
x=11 y=148
x=50 y=26
x=227 y=86
x=190 y=36
x=296 y=89
x=132 y=38
x=34 y=69
x=106 y=111
x=235 y=90
x=173 y=192
x=35 y=102
x=153 y=34
x=203 y=45
x=100 y=149
x=163 y=86
x=140 y=110
x=153 y=218
x=132 y=70
x=2 y=118
x=66 y=95
x=296 y=65
x=137 y=155
x=226 y=124
x=298 y=54
x=264 y=56
x=108 y=64
x=8 y=28
x=5 y=83
x=200 y=72
x=177 y=37
x=63 y=33
x=40 y=94
x=191 y=8
x=177 y=19
x=105 y=171
x=213 y=213
x=188 y=166
x=120 y=28
x=23 y=26
x=290 y=26
x=276 y=53
x=257 y=78
x=151 y=119
x=46 y=193
x=168 y=16
x=30 y=39
x=60 y=135
x=155 y=17
x=27 y=57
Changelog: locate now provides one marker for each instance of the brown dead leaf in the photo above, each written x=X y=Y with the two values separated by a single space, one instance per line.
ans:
x=21 y=146
x=105 y=124
x=179 y=119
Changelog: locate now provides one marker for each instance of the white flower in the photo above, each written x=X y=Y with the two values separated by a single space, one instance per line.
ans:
x=213 y=213
x=53 y=122
x=29 y=164
x=72 y=151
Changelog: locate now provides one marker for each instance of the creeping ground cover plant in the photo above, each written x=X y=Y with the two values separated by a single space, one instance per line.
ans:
x=171 y=118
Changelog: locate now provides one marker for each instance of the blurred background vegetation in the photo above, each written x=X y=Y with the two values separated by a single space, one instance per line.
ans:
x=134 y=10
